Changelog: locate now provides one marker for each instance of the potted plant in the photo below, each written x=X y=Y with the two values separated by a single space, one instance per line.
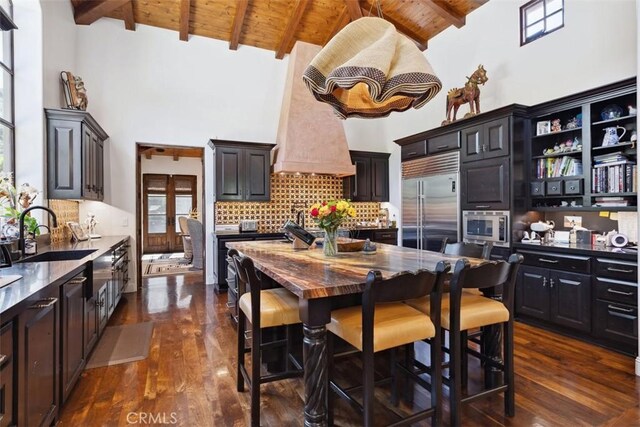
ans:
x=12 y=202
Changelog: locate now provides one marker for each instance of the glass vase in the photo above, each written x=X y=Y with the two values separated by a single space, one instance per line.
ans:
x=330 y=244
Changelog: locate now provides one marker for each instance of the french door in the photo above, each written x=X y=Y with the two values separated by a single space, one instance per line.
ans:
x=165 y=198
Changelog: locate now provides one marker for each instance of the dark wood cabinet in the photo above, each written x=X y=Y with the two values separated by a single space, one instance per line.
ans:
x=371 y=181
x=75 y=155
x=242 y=171
x=413 y=150
x=90 y=324
x=38 y=344
x=555 y=295
x=442 y=143
x=7 y=376
x=378 y=235
x=73 y=327
x=485 y=184
x=486 y=140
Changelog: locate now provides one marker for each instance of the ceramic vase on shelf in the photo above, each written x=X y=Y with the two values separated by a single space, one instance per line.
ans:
x=330 y=244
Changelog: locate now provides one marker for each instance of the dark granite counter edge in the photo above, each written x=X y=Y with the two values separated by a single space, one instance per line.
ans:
x=40 y=275
x=586 y=250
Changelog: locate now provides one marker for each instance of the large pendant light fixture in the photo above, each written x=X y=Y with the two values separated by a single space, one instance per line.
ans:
x=369 y=70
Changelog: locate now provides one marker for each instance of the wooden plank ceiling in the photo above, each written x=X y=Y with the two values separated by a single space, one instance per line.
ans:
x=277 y=24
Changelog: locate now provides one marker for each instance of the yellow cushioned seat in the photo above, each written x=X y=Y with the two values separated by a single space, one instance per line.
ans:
x=475 y=310
x=395 y=324
x=277 y=307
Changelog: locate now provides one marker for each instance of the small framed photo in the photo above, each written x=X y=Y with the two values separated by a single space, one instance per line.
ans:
x=543 y=128
x=77 y=231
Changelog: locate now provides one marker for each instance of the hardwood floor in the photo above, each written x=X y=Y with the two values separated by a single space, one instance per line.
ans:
x=189 y=377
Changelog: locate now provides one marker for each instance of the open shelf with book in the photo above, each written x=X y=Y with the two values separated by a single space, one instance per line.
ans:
x=581 y=151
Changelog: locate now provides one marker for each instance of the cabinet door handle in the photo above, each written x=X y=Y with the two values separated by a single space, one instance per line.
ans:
x=551 y=283
x=619 y=270
x=47 y=302
x=3 y=359
x=624 y=310
x=544 y=282
x=549 y=261
x=483 y=206
x=614 y=291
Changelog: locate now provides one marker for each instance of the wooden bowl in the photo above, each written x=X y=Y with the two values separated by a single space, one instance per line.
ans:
x=349 y=245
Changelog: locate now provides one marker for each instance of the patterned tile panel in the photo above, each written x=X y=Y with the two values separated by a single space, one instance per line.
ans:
x=66 y=210
x=290 y=193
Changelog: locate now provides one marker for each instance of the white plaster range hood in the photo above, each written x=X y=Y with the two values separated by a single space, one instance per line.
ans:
x=311 y=139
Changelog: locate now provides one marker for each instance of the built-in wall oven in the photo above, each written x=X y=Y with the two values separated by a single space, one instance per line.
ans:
x=486 y=226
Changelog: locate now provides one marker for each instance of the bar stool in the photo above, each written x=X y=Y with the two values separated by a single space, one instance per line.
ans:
x=383 y=322
x=462 y=311
x=263 y=309
x=470 y=250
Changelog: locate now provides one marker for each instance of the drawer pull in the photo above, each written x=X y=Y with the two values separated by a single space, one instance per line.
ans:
x=483 y=206
x=614 y=291
x=549 y=261
x=440 y=147
x=231 y=305
x=624 y=310
x=569 y=282
x=624 y=316
x=79 y=281
x=619 y=270
x=412 y=153
x=47 y=302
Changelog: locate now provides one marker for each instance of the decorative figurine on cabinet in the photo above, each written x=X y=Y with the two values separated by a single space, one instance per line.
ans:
x=470 y=93
x=555 y=125
x=632 y=110
x=572 y=123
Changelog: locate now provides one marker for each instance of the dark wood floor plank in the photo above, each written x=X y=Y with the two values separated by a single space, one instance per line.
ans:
x=190 y=374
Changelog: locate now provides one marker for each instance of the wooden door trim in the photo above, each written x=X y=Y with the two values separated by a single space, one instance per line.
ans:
x=138 y=213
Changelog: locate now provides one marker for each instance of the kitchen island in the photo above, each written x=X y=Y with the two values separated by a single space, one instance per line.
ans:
x=320 y=282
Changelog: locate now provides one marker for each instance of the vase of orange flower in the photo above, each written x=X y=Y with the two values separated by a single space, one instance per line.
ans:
x=329 y=215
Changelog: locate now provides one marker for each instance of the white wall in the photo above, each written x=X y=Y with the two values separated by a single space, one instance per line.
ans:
x=28 y=63
x=148 y=86
x=183 y=166
x=586 y=53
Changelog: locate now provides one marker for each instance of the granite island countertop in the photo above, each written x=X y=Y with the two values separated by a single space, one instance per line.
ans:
x=36 y=276
x=580 y=249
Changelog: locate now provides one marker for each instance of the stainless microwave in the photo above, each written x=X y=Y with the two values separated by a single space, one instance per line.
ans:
x=486 y=226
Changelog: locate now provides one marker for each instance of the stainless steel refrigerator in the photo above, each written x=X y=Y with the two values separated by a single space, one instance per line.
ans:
x=430 y=201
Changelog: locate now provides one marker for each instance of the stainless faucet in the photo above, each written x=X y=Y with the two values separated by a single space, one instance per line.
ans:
x=300 y=218
x=21 y=224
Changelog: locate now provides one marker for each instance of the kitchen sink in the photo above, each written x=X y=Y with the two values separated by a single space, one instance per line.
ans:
x=59 y=255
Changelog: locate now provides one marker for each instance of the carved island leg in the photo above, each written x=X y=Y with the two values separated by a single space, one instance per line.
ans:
x=315 y=314
x=315 y=375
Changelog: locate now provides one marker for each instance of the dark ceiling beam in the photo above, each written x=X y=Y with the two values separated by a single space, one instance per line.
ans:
x=341 y=22
x=89 y=11
x=238 y=20
x=291 y=28
x=412 y=35
x=127 y=13
x=353 y=6
x=446 y=12
x=185 y=16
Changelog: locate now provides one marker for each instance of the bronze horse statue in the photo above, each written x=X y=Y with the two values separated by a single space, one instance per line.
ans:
x=469 y=93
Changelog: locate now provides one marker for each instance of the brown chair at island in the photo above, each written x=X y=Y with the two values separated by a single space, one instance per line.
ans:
x=466 y=249
x=384 y=322
x=462 y=311
x=263 y=309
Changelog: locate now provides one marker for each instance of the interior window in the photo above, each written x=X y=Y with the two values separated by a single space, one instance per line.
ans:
x=6 y=87
x=539 y=18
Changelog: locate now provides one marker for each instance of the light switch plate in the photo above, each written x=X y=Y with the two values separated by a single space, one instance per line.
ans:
x=570 y=221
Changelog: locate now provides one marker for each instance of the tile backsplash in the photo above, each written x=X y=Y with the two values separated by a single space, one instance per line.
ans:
x=66 y=210
x=290 y=193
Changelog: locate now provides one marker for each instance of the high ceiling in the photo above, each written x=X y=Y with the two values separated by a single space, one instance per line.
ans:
x=277 y=24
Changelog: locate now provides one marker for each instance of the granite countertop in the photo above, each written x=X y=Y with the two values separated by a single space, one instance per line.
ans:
x=311 y=274
x=581 y=249
x=38 y=275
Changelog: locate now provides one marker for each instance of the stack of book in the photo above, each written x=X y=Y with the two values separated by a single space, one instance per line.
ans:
x=613 y=201
x=613 y=173
x=558 y=166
